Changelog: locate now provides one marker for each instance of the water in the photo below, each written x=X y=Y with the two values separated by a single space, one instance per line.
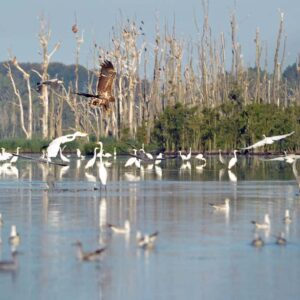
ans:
x=199 y=254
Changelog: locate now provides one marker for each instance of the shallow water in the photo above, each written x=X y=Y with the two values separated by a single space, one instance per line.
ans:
x=199 y=253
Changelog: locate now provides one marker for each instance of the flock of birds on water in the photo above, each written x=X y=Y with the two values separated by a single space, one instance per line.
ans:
x=145 y=241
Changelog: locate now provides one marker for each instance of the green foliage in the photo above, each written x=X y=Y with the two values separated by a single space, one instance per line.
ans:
x=228 y=126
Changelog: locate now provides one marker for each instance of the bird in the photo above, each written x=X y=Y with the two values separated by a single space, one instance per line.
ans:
x=146 y=241
x=221 y=159
x=88 y=256
x=287 y=219
x=224 y=207
x=132 y=160
x=115 y=153
x=1 y=220
x=268 y=140
x=189 y=155
x=147 y=154
x=78 y=154
x=102 y=170
x=183 y=156
x=200 y=157
x=10 y=265
x=53 y=83
x=280 y=240
x=158 y=159
x=15 y=157
x=104 y=87
x=120 y=230
x=233 y=160
x=5 y=155
x=53 y=148
x=91 y=162
x=265 y=225
x=257 y=241
x=14 y=237
x=62 y=157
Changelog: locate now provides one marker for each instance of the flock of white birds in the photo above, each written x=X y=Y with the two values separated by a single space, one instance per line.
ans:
x=137 y=159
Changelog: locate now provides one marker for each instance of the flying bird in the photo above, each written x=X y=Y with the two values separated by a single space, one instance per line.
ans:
x=104 y=87
x=268 y=140
x=53 y=83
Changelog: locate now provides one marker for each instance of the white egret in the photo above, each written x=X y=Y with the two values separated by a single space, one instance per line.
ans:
x=53 y=147
x=183 y=156
x=5 y=155
x=224 y=207
x=149 y=155
x=268 y=140
x=115 y=153
x=189 y=155
x=78 y=154
x=158 y=159
x=102 y=170
x=221 y=159
x=15 y=157
x=62 y=157
x=233 y=160
x=200 y=157
x=88 y=256
x=133 y=160
x=91 y=162
x=265 y=225
x=120 y=230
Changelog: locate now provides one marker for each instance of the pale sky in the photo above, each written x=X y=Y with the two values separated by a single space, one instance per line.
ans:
x=20 y=27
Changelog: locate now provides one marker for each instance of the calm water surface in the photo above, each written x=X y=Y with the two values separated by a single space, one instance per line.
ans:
x=200 y=253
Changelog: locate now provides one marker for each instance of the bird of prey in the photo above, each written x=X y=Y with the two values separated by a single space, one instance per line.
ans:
x=53 y=83
x=268 y=140
x=104 y=87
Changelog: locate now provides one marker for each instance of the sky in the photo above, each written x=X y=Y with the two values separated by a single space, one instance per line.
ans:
x=19 y=28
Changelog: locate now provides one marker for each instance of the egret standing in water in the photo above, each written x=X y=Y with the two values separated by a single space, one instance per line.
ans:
x=91 y=162
x=233 y=160
x=221 y=159
x=15 y=157
x=102 y=170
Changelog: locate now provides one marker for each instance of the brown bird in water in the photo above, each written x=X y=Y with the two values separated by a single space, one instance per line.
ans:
x=88 y=256
x=104 y=87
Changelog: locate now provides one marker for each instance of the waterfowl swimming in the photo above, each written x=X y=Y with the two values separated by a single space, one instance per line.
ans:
x=146 y=241
x=265 y=225
x=120 y=230
x=280 y=240
x=224 y=206
x=14 y=237
x=258 y=241
x=88 y=256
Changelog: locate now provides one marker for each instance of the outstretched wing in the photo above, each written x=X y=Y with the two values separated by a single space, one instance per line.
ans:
x=256 y=145
x=105 y=81
x=279 y=137
x=86 y=95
